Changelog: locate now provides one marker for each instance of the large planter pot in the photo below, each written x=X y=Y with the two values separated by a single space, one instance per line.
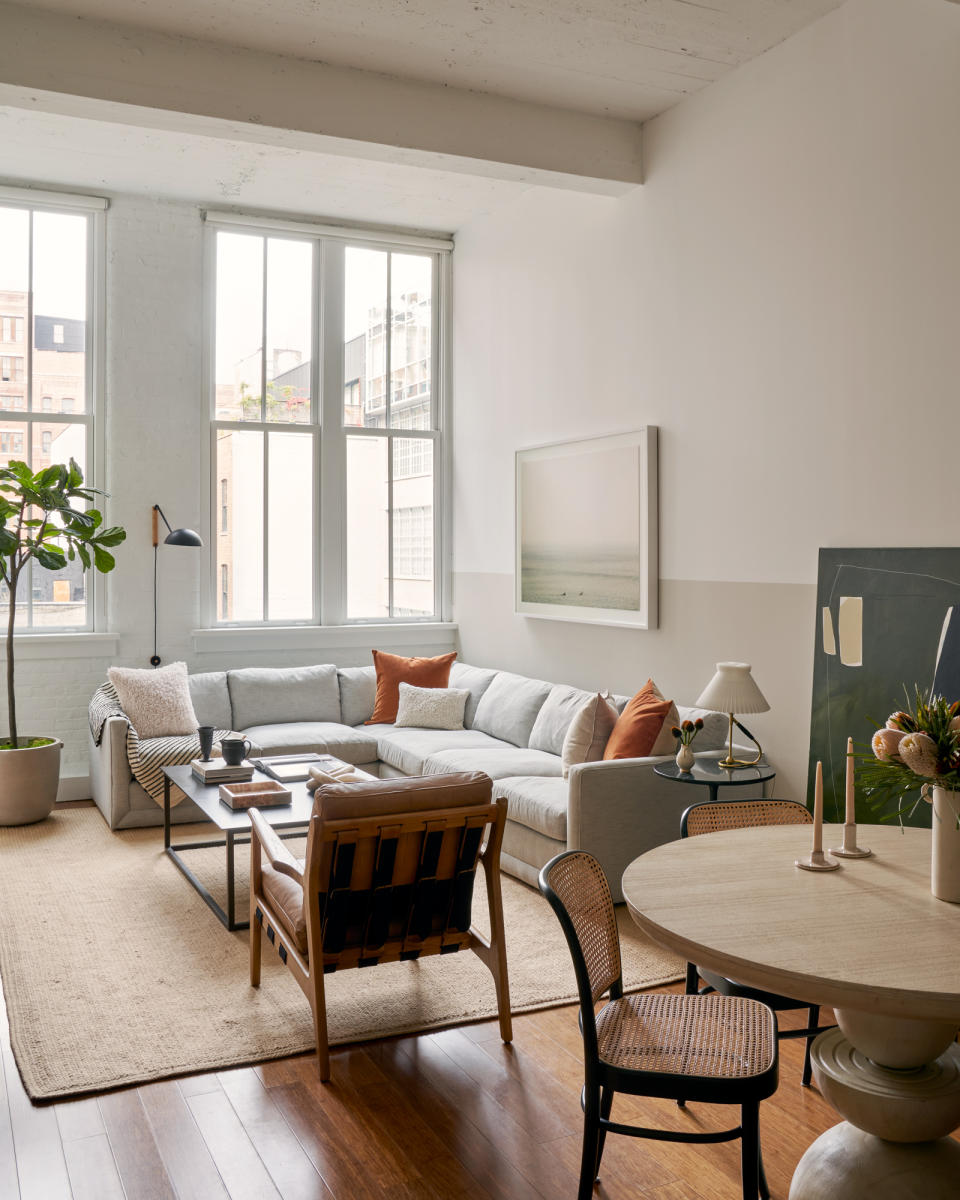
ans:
x=945 y=851
x=29 y=778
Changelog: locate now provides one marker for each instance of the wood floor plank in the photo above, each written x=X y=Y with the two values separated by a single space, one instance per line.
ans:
x=240 y=1166
x=79 y=1119
x=198 y=1085
x=41 y=1167
x=291 y=1170
x=135 y=1151
x=9 y=1180
x=189 y=1164
x=92 y=1169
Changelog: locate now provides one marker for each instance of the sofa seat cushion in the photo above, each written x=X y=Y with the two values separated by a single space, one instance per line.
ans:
x=409 y=749
x=327 y=737
x=538 y=802
x=285 y=897
x=498 y=764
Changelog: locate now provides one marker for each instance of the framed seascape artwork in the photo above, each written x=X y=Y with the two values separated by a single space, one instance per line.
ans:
x=586 y=537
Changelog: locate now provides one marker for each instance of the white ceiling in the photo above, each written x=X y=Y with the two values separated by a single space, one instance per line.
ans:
x=104 y=157
x=626 y=58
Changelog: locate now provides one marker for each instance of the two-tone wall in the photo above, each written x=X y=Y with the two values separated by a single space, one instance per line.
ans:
x=781 y=298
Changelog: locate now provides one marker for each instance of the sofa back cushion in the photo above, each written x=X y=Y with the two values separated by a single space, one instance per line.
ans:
x=553 y=720
x=716 y=726
x=508 y=708
x=211 y=699
x=274 y=695
x=476 y=680
x=358 y=693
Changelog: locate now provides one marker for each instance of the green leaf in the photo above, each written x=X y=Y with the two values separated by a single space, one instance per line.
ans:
x=53 y=560
x=104 y=559
x=8 y=543
x=84 y=555
x=111 y=536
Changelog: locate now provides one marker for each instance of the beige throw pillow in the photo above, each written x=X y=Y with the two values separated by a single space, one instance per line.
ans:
x=430 y=708
x=156 y=701
x=586 y=738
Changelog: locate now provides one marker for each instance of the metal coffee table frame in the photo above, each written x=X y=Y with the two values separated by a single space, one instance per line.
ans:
x=207 y=797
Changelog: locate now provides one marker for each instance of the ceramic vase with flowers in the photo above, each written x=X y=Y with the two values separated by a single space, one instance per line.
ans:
x=921 y=749
x=685 y=732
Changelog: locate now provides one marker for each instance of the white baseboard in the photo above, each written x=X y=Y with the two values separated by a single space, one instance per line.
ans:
x=74 y=787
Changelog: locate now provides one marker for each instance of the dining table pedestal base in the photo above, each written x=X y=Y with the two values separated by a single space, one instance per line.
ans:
x=893 y=1143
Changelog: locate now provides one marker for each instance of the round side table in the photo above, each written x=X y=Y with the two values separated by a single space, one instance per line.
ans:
x=707 y=772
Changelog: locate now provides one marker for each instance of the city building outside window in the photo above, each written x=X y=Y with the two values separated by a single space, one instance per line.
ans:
x=369 y=412
x=67 y=404
x=50 y=254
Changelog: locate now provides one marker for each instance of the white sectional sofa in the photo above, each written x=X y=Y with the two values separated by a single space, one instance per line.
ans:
x=514 y=731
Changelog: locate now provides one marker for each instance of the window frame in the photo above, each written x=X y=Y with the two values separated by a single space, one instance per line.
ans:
x=94 y=209
x=327 y=419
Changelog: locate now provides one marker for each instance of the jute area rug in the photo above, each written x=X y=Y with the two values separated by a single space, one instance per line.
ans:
x=116 y=973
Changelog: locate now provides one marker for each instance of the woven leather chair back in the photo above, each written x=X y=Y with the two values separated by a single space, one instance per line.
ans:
x=398 y=885
x=741 y=814
x=578 y=883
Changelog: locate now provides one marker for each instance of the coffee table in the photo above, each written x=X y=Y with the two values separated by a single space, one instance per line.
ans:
x=295 y=816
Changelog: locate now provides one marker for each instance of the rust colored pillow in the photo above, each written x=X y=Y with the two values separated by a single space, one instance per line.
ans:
x=393 y=669
x=640 y=724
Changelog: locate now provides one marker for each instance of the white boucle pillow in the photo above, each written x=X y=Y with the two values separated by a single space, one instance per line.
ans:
x=157 y=701
x=588 y=733
x=431 y=708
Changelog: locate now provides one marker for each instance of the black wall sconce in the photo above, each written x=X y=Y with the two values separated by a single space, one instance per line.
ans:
x=175 y=537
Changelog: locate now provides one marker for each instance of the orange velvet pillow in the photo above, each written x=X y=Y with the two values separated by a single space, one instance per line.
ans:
x=639 y=725
x=393 y=669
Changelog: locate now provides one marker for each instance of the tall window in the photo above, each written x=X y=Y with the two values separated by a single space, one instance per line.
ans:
x=365 y=408
x=47 y=276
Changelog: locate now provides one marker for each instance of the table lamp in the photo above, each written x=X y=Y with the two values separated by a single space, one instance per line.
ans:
x=732 y=690
x=175 y=537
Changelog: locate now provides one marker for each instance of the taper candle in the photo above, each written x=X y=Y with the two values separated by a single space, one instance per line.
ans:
x=850 y=816
x=818 y=811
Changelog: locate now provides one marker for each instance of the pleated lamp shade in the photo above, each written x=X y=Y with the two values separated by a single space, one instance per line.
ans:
x=732 y=690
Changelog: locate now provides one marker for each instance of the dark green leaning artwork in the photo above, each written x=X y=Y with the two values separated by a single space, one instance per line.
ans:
x=885 y=619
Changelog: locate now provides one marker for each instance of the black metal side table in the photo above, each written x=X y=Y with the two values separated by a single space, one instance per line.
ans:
x=708 y=773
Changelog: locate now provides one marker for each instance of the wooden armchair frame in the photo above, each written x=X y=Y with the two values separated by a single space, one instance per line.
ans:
x=382 y=888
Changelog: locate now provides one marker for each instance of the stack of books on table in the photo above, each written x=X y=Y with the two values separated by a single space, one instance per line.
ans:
x=215 y=770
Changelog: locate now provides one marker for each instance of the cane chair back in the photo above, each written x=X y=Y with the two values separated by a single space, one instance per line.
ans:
x=581 y=898
x=712 y=816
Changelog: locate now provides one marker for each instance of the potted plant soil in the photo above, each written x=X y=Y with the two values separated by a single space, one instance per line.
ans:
x=47 y=517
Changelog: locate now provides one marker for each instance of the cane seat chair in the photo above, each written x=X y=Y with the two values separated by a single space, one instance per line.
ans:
x=710 y=817
x=718 y=1049
x=388 y=876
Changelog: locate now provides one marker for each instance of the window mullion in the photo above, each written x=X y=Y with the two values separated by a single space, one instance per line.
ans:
x=333 y=441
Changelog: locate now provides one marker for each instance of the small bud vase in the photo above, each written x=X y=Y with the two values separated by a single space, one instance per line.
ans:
x=685 y=758
x=945 y=850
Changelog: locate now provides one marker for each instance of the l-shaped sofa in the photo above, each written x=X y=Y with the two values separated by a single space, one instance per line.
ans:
x=615 y=810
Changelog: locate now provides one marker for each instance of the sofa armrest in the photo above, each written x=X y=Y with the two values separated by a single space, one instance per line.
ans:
x=617 y=810
x=110 y=772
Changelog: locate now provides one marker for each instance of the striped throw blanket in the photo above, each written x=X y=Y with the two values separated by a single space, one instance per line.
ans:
x=147 y=756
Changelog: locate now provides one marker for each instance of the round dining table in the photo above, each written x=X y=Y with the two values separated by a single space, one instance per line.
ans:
x=868 y=939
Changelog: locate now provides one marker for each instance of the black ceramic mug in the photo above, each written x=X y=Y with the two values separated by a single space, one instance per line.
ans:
x=234 y=750
x=205 y=733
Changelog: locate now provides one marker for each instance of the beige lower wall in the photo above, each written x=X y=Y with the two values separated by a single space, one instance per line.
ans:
x=770 y=625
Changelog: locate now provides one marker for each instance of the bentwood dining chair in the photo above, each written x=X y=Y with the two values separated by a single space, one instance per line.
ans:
x=710 y=817
x=388 y=876
x=717 y=1049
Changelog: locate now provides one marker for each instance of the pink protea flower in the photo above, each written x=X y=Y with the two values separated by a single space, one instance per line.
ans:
x=886 y=743
x=918 y=751
x=955 y=725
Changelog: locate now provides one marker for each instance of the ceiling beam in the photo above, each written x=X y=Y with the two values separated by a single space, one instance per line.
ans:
x=79 y=67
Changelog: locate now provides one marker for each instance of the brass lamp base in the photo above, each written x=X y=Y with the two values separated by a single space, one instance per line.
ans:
x=730 y=763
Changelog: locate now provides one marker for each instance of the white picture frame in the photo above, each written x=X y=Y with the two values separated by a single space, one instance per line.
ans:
x=586 y=530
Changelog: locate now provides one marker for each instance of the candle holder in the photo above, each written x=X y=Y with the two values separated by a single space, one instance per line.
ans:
x=850 y=849
x=817 y=861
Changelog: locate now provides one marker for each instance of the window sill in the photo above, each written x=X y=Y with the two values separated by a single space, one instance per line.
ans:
x=63 y=645
x=435 y=634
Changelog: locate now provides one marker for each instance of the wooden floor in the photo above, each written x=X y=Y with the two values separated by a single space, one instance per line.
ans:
x=446 y=1115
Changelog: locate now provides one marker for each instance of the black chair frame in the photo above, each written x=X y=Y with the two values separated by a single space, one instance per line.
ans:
x=602 y=1080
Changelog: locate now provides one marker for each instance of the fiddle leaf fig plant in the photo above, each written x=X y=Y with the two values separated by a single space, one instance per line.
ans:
x=45 y=516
